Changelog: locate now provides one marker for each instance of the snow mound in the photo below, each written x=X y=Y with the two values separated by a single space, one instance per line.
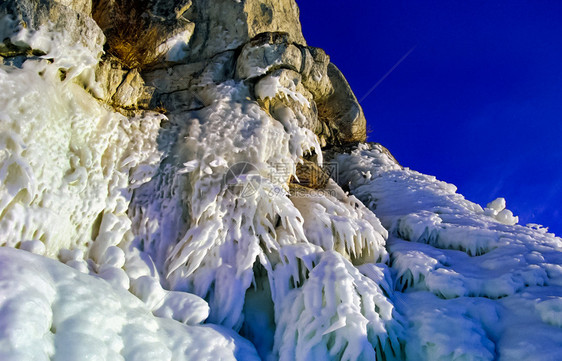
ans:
x=50 y=311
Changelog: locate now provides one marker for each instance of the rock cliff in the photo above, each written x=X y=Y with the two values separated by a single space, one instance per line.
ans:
x=204 y=174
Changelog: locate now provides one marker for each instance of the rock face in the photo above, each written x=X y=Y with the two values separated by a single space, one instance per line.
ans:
x=259 y=41
x=341 y=110
x=325 y=102
x=73 y=18
x=283 y=74
x=227 y=24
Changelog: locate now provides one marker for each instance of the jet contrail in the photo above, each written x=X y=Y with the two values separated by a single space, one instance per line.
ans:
x=387 y=73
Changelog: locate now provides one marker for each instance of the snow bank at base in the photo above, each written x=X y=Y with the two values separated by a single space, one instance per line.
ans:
x=475 y=285
x=338 y=314
x=50 y=311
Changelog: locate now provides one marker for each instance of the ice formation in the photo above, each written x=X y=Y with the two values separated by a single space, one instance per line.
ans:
x=49 y=311
x=473 y=284
x=190 y=236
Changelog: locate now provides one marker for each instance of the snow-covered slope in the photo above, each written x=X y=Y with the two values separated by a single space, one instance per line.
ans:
x=212 y=232
x=472 y=284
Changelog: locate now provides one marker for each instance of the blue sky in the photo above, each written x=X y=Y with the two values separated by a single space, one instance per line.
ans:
x=477 y=103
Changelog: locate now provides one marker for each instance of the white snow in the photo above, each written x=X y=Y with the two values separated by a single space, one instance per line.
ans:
x=176 y=48
x=60 y=147
x=49 y=311
x=472 y=284
x=270 y=86
x=335 y=221
x=338 y=314
x=131 y=235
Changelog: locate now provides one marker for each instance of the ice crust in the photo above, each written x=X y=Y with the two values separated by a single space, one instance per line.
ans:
x=48 y=311
x=472 y=283
x=220 y=221
x=181 y=238
x=68 y=165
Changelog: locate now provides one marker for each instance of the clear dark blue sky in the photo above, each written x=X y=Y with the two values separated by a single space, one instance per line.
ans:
x=477 y=103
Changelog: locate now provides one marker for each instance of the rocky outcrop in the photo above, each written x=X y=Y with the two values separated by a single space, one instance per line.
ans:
x=68 y=17
x=266 y=52
x=182 y=45
x=341 y=110
x=227 y=25
x=263 y=46
x=306 y=82
x=132 y=91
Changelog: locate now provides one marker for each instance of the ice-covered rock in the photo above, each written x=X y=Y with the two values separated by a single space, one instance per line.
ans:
x=19 y=19
x=68 y=163
x=171 y=237
x=266 y=51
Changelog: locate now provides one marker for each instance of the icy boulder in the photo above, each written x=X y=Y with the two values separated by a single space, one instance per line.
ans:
x=20 y=18
x=497 y=209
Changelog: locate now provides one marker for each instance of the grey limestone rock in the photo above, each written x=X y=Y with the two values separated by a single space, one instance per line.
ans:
x=184 y=87
x=174 y=78
x=315 y=72
x=265 y=52
x=227 y=24
x=132 y=92
x=81 y=6
x=274 y=16
x=109 y=74
x=67 y=16
x=173 y=86
x=341 y=110
x=331 y=109
x=122 y=88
